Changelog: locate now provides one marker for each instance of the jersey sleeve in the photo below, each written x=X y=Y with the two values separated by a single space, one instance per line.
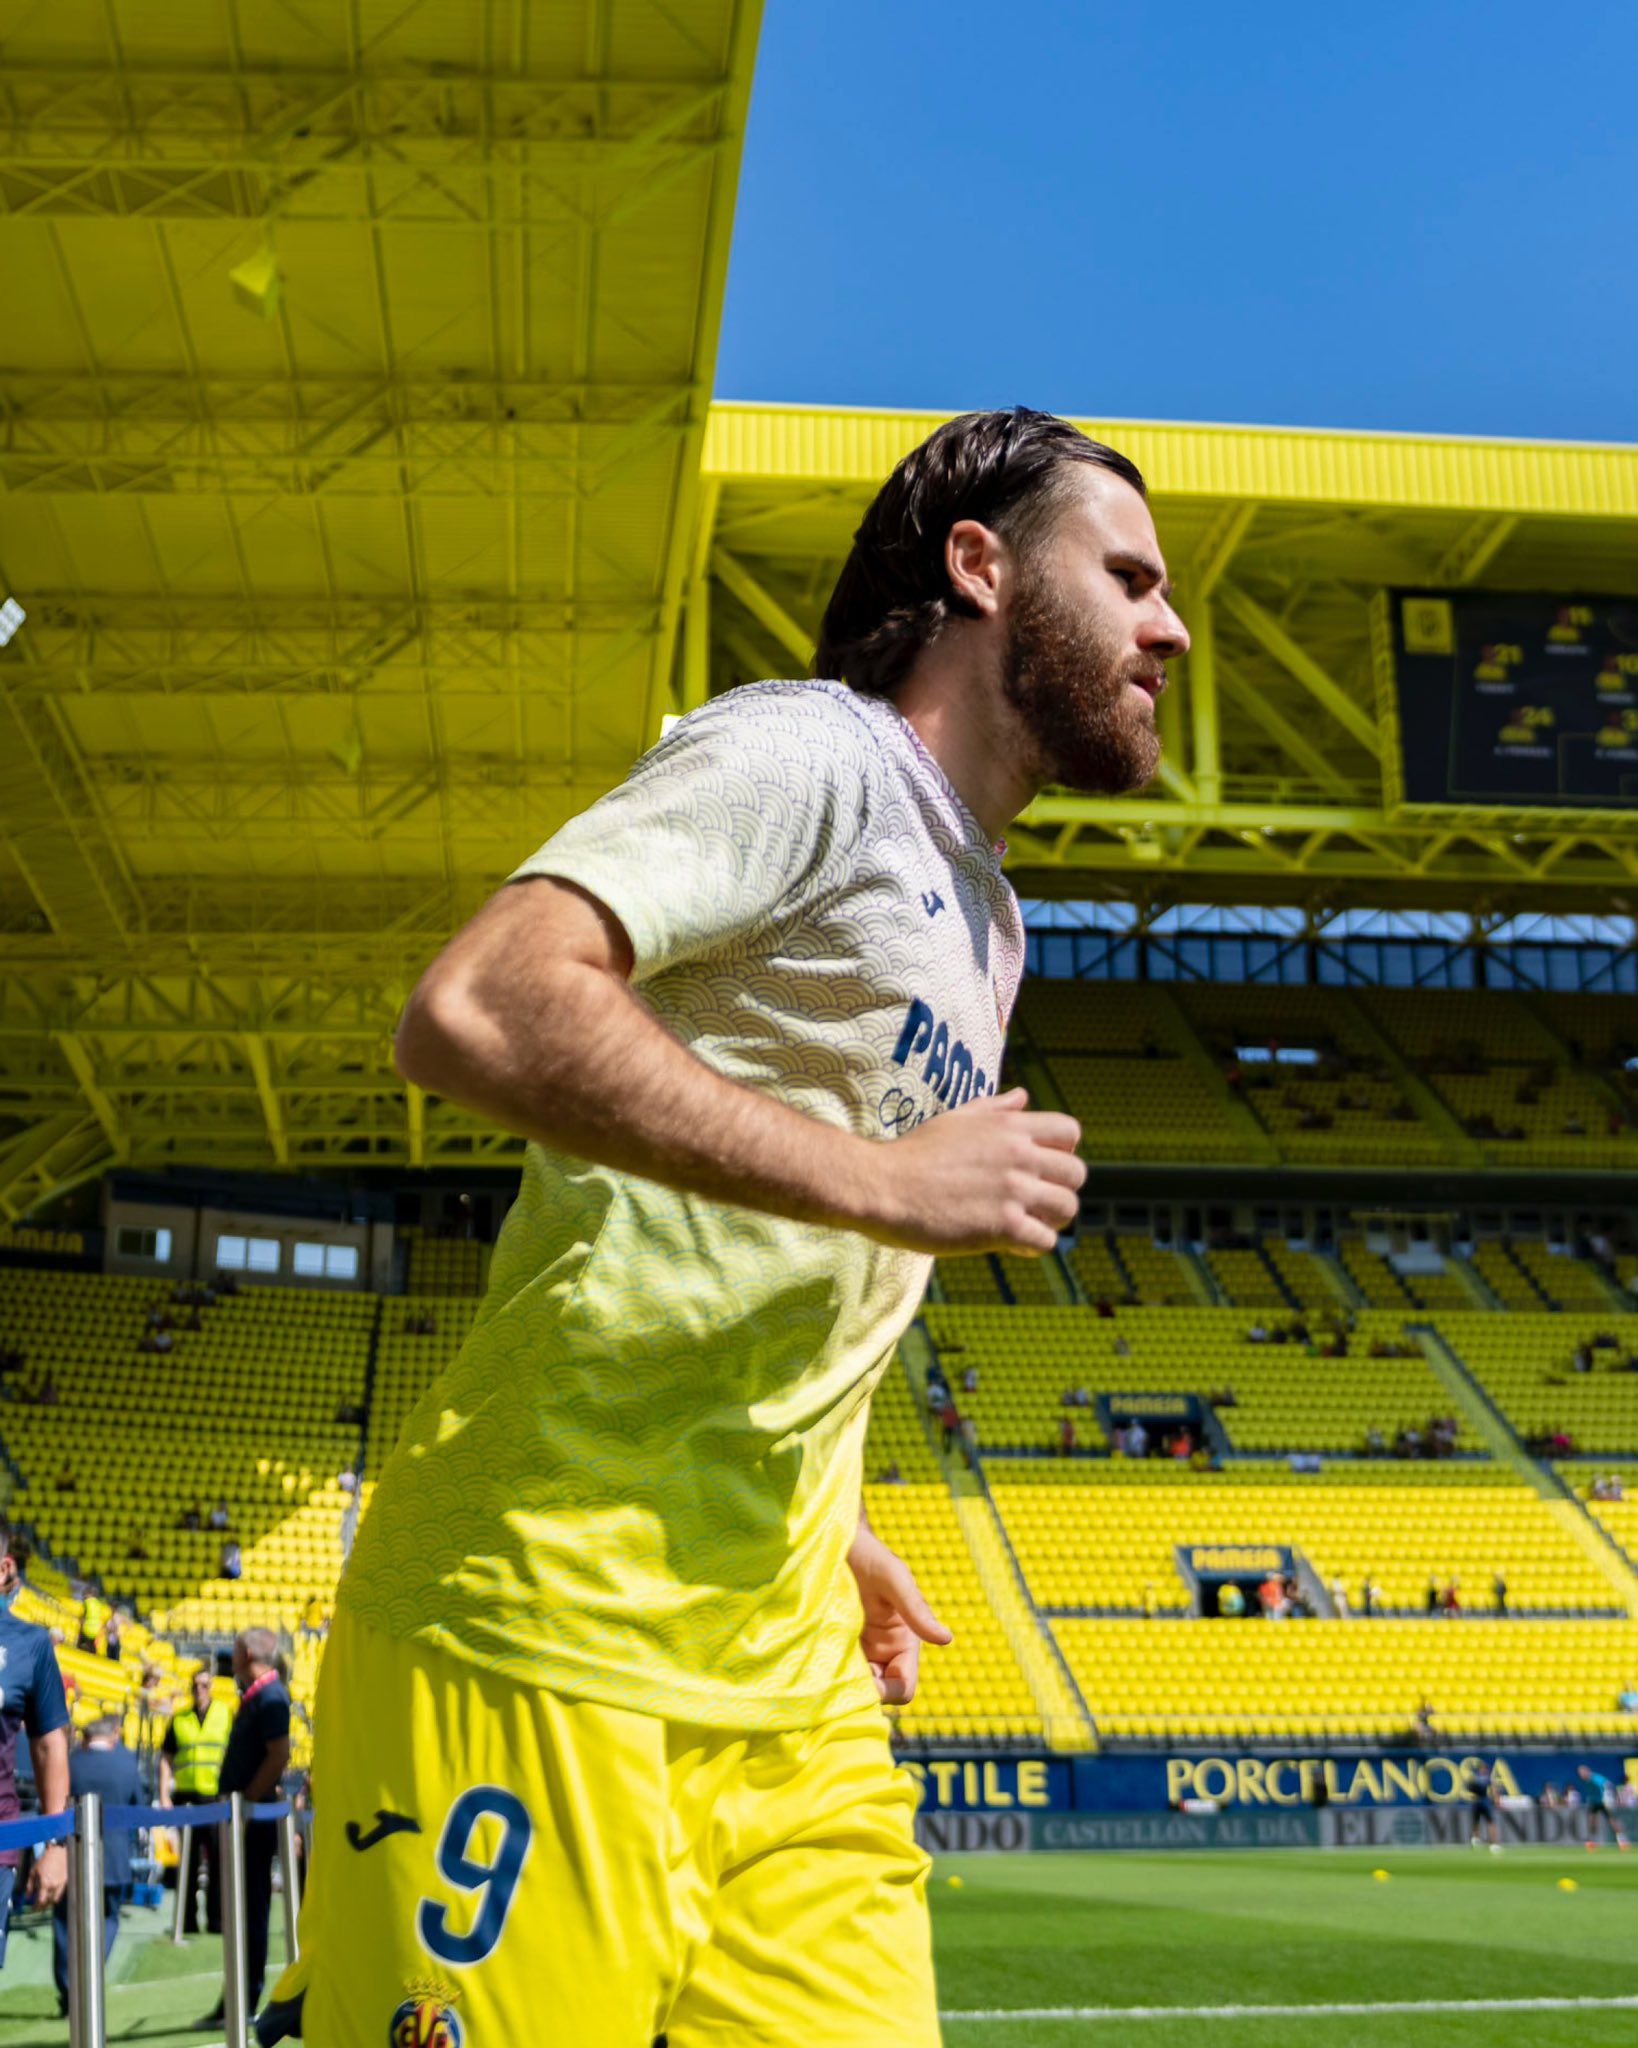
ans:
x=45 y=1708
x=275 y=1717
x=741 y=812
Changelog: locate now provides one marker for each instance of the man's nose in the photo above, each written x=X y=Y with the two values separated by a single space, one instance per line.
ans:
x=1165 y=634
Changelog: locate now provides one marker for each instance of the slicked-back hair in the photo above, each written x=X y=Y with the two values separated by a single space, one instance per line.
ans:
x=894 y=595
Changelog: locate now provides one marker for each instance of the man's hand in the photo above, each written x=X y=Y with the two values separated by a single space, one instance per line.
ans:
x=897 y=1620
x=991 y=1176
x=49 y=1878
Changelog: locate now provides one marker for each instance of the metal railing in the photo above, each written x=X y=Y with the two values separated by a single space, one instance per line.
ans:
x=86 y=1825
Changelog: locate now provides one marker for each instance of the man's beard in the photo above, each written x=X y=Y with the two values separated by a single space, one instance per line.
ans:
x=1068 y=683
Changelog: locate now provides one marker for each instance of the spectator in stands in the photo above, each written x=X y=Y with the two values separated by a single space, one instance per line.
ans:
x=1370 y=1597
x=949 y=1417
x=938 y=1388
x=1271 y=1597
x=1182 y=1446
x=1498 y=1593
x=34 y=1701
x=136 y=1549
x=94 y=1613
x=113 y=1642
x=219 y=1518
x=104 y=1766
x=159 y=1318
x=1339 y=1599
x=1550 y=1795
x=889 y=1475
x=1066 y=1436
x=969 y=1380
x=1137 y=1438
x=1430 y=1599
x=1224 y=1397
x=190 y=1770
x=1231 y=1601
x=193 y=1517
x=1450 y=1600
x=65 y=1479
x=969 y=1441
x=231 y=1563
x=258 y=1754
x=1106 y=1308
x=1422 y=1728
x=347 y=1480
x=1258 y=1333
x=192 y=1321
x=1626 y=1701
x=1581 y=1359
x=1122 y=1348
x=1375 y=1444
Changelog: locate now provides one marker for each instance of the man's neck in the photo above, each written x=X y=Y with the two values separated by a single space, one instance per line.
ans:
x=958 y=714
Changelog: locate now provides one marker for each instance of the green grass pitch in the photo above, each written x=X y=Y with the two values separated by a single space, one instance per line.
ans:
x=1087 y=1938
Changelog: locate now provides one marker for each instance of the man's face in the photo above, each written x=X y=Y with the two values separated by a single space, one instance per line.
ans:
x=1089 y=630
x=201 y=1690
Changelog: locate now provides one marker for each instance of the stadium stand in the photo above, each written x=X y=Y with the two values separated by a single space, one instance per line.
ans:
x=1326 y=1679
x=1102 y=1546
x=1527 y=1364
x=1028 y=1360
x=114 y=1446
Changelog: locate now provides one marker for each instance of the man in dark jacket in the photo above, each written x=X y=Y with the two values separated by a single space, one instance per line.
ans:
x=258 y=1754
x=104 y=1766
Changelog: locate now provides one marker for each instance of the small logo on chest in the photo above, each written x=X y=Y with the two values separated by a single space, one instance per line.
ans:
x=932 y=902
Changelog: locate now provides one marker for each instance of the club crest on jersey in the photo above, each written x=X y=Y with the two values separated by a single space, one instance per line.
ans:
x=426 y=2018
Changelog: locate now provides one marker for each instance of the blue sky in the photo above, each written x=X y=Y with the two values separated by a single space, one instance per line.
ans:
x=1415 y=217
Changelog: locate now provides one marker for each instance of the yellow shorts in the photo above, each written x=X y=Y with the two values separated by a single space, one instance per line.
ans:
x=495 y=1866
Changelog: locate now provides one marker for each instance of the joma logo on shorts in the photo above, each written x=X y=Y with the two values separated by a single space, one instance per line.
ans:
x=946 y=1064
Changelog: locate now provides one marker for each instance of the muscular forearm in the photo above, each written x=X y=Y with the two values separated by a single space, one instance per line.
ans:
x=49 y=1754
x=568 y=1055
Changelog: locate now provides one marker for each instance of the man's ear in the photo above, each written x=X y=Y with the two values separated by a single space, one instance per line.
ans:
x=975 y=560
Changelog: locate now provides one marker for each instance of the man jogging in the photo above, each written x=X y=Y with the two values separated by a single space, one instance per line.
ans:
x=599 y=1733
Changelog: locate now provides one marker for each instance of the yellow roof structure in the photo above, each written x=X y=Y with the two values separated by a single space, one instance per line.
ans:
x=360 y=488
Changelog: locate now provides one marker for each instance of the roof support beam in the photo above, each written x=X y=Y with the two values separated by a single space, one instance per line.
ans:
x=1216 y=551
x=1467 y=558
x=1202 y=659
x=255 y=1051
x=415 y=1105
x=1275 y=640
x=72 y=1048
x=765 y=608
x=1254 y=704
x=48 y=1159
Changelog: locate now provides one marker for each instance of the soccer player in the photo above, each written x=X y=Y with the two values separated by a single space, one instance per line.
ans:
x=1482 y=1819
x=1602 y=1801
x=601 y=1755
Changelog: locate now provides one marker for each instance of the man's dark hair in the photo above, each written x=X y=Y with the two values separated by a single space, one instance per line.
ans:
x=15 y=1545
x=894 y=596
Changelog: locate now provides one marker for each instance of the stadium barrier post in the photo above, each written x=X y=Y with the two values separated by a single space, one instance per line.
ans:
x=231 y=1836
x=85 y=1918
x=289 y=1882
x=184 y=1870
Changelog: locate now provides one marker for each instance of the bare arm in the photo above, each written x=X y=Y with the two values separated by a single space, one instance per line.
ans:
x=50 y=1755
x=527 y=1016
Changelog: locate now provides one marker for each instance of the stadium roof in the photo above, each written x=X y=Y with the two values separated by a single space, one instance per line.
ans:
x=357 y=483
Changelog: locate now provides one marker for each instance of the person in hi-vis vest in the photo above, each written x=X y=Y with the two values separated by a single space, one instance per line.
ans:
x=190 y=1765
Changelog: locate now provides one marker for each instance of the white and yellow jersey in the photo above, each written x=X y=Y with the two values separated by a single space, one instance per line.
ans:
x=638 y=1482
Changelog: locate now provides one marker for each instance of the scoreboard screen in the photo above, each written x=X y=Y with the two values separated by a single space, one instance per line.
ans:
x=1507 y=699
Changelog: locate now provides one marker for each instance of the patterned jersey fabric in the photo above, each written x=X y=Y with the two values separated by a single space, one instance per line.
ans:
x=639 y=1481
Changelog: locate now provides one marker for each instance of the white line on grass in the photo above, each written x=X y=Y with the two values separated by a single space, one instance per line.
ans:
x=1292 y=2012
